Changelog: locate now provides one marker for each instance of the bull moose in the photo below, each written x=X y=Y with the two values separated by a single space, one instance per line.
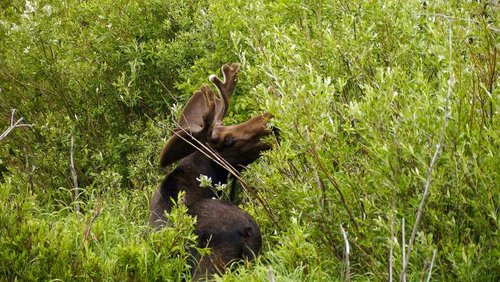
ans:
x=205 y=146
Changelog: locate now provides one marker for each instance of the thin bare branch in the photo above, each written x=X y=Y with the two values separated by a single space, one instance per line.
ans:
x=395 y=188
x=14 y=124
x=347 y=251
x=391 y=249
x=451 y=82
x=270 y=273
x=90 y=221
x=432 y=264
x=167 y=89
x=74 y=176
x=403 y=248
x=450 y=18
x=319 y=181
x=335 y=185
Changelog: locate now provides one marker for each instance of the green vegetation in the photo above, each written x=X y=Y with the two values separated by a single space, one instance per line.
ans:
x=359 y=89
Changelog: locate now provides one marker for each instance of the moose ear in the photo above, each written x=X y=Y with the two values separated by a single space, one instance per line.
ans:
x=176 y=148
x=194 y=121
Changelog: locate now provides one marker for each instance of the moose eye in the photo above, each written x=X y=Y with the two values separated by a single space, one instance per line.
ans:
x=228 y=141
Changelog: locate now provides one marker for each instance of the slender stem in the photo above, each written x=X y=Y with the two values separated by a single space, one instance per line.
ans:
x=74 y=175
x=432 y=264
x=90 y=221
x=335 y=185
x=421 y=207
x=391 y=249
x=403 y=242
x=14 y=125
x=270 y=273
x=347 y=251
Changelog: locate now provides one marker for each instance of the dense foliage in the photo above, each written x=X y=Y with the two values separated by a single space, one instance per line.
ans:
x=359 y=89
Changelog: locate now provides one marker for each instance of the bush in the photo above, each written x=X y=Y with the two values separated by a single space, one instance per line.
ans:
x=359 y=91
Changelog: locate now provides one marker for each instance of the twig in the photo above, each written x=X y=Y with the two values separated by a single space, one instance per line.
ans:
x=97 y=212
x=432 y=264
x=391 y=250
x=319 y=181
x=74 y=175
x=14 y=124
x=168 y=90
x=270 y=273
x=335 y=184
x=347 y=251
x=420 y=211
x=395 y=173
x=450 y=18
x=403 y=242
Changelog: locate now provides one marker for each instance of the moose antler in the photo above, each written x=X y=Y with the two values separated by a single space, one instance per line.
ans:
x=225 y=89
x=202 y=113
x=194 y=122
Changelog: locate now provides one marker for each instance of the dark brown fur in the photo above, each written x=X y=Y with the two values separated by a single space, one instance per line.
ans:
x=229 y=231
x=183 y=178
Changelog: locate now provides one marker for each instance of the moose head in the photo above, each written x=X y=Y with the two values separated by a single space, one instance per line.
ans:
x=202 y=122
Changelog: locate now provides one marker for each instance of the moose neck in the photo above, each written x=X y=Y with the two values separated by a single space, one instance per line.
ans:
x=198 y=164
x=184 y=176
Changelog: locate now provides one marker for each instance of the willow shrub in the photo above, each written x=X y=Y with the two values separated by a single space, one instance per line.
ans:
x=110 y=242
x=358 y=90
x=99 y=72
x=359 y=93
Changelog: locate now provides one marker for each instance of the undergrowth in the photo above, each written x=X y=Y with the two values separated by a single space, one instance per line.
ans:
x=359 y=90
